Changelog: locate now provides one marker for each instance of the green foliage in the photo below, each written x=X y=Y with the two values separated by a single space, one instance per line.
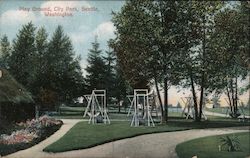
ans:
x=96 y=68
x=232 y=143
x=11 y=91
x=5 y=51
x=22 y=56
x=62 y=72
x=110 y=73
x=231 y=48
x=44 y=65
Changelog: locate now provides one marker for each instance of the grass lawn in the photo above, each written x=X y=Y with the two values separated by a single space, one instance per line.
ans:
x=72 y=109
x=223 y=110
x=207 y=147
x=83 y=135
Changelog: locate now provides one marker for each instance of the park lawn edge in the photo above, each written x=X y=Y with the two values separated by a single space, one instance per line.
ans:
x=179 y=153
x=46 y=149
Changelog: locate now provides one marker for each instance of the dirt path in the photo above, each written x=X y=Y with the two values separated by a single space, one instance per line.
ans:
x=146 y=146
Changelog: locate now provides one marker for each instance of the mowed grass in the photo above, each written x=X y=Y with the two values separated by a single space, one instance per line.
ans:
x=207 y=147
x=225 y=110
x=84 y=135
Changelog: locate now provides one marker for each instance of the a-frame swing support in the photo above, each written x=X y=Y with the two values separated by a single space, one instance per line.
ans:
x=97 y=107
x=135 y=103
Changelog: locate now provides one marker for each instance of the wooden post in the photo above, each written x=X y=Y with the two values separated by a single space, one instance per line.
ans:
x=37 y=111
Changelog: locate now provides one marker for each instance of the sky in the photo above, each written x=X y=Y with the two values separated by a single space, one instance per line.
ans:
x=83 y=21
x=91 y=18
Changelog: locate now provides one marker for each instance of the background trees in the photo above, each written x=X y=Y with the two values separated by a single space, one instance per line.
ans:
x=144 y=44
x=174 y=43
x=198 y=45
x=103 y=72
x=23 y=55
x=47 y=68
x=231 y=44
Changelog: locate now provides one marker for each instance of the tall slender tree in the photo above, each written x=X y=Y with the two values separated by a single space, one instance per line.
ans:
x=96 y=68
x=109 y=78
x=5 y=52
x=63 y=72
x=22 y=56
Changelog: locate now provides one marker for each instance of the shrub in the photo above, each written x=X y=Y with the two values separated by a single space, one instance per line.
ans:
x=232 y=143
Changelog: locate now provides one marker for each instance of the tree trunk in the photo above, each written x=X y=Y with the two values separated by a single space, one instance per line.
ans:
x=201 y=103
x=201 y=96
x=164 y=52
x=236 y=96
x=232 y=98
x=194 y=98
x=203 y=66
x=37 y=111
x=119 y=107
x=229 y=99
x=159 y=97
x=166 y=97
x=0 y=112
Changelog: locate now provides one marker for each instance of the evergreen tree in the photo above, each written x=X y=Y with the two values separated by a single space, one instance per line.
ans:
x=63 y=72
x=109 y=78
x=96 y=69
x=21 y=63
x=41 y=43
x=5 y=51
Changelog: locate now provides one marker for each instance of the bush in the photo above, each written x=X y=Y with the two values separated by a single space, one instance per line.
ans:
x=17 y=112
x=231 y=143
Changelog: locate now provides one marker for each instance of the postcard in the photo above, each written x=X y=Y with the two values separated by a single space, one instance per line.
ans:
x=124 y=79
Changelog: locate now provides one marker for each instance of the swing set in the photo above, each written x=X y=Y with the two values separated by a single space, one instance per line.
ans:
x=97 y=107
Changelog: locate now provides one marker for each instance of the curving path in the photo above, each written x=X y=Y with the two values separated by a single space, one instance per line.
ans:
x=145 y=146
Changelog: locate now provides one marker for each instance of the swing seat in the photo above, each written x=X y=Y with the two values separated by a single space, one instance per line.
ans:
x=142 y=121
x=99 y=119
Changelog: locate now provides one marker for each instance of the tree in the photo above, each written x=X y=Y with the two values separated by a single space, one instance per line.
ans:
x=196 y=63
x=41 y=44
x=232 y=45
x=22 y=56
x=96 y=68
x=5 y=52
x=145 y=43
x=63 y=72
x=109 y=77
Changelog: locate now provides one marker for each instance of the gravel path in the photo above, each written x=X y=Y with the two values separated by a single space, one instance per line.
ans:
x=145 y=146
